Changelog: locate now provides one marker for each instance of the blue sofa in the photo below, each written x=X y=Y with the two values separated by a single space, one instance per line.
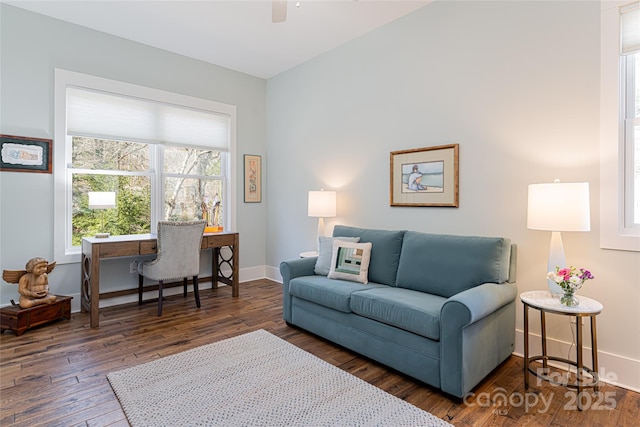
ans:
x=439 y=308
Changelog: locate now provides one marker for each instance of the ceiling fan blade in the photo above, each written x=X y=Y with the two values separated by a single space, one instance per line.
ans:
x=278 y=11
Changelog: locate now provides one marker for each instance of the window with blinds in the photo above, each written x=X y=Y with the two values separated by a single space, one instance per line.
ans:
x=166 y=156
x=117 y=117
x=630 y=28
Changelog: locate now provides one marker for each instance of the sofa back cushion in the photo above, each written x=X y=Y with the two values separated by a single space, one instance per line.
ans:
x=445 y=265
x=385 y=251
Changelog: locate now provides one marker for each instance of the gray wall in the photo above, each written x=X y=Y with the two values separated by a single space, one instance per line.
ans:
x=516 y=84
x=32 y=47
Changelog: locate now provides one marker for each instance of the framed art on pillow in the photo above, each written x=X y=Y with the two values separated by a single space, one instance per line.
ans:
x=325 y=251
x=350 y=261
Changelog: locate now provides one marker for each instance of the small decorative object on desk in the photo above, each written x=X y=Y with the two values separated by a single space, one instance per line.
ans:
x=211 y=212
x=570 y=279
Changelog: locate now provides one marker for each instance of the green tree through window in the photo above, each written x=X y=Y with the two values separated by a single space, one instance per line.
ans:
x=191 y=185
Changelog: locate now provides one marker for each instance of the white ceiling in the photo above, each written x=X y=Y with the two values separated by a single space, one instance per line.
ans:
x=234 y=34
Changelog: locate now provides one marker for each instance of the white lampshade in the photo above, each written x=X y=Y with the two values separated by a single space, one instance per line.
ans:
x=322 y=204
x=559 y=206
x=102 y=199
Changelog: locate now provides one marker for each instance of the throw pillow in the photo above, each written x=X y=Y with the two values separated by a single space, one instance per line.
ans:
x=325 y=248
x=350 y=261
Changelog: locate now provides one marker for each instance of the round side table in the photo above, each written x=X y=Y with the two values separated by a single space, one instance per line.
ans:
x=309 y=254
x=545 y=302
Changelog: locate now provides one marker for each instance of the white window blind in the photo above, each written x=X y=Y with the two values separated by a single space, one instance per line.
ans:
x=113 y=116
x=630 y=28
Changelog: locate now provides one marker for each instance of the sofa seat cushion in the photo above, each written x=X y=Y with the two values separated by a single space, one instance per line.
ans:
x=406 y=309
x=332 y=293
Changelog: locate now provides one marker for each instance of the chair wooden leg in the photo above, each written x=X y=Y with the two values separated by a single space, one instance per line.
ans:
x=184 y=285
x=160 y=298
x=140 y=288
x=196 y=291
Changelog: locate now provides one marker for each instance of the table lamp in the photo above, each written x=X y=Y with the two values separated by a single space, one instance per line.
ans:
x=558 y=207
x=322 y=204
x=102 y=200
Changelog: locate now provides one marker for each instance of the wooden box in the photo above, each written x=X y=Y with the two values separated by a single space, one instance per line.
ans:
x=19 y=319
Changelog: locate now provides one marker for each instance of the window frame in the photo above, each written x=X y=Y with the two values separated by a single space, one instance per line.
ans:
x=63 y=252
x=613 y=148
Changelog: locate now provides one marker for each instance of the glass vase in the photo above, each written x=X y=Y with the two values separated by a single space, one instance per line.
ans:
x=569 y=298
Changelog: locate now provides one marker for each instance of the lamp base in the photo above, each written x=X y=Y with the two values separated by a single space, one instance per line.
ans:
x=102 y=235
x=556 y=259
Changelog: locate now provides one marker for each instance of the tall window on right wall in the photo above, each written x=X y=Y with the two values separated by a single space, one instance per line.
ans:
x=620 y=126
x=630 y=97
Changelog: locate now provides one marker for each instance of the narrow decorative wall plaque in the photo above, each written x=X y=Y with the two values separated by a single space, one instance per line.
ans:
x=252 y=178
x=23 y=154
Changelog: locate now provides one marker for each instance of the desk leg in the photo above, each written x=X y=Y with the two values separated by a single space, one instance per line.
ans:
x=85 y=272
x=95 y=287
x=579 y=362
x=215 y=267
x=235 y=287
x=594 y=352
x=233 y=262
x=90 y=283
x=526 y=346
x=543 y=330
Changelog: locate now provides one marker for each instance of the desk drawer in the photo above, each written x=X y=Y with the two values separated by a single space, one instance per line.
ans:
x=109 y=250
x=150 y=247
x=218 y=240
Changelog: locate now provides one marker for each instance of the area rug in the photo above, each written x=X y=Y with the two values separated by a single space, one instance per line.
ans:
x=256 y=379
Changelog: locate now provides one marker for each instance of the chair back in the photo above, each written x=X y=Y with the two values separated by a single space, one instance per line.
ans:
x=178 y=250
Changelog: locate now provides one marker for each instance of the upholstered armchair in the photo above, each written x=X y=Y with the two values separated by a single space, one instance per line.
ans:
x=178 y=257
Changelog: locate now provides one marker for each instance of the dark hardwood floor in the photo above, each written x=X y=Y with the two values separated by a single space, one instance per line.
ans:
x=55 y=375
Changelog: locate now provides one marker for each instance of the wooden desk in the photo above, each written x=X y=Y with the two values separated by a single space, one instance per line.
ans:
x=94 y=249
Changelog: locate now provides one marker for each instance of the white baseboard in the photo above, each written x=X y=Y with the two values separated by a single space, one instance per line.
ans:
x=612 y=368
x=252 y=273
x=273 y=273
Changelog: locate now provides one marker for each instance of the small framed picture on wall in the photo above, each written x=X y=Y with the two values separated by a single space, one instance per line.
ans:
x=252 y=178
x=23 y=154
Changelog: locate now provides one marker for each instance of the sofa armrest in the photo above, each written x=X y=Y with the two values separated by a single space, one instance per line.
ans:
x=513 y=262
x=478 y=302
x=477 y=332
x=297 y=268
x=290 y=270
